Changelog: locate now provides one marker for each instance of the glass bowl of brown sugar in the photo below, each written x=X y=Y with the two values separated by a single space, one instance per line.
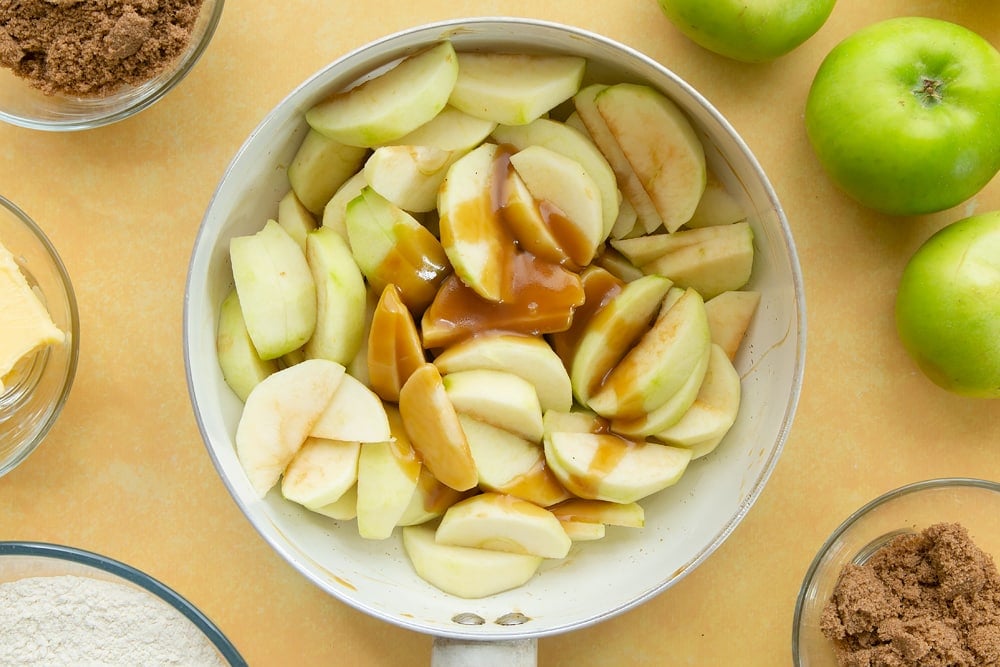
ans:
x=910 y=578
x=79 y=64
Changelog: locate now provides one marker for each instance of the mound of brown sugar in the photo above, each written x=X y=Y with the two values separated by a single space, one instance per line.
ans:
x=90 y=48
x=929 y=599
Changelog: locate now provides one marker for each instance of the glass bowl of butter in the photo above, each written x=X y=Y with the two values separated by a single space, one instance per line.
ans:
x=39 y=335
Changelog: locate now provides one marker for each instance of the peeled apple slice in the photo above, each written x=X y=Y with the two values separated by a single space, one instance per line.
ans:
x=354 y=413
x=464 y=571
x=321 y=472
x=392 y=104
x=714 y=409
x=278 y=415
x=241 y=366
x=504 y=523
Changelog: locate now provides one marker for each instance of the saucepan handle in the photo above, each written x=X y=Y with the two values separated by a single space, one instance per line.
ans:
x=461 y=653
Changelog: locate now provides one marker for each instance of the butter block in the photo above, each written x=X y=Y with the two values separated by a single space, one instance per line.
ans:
x=25 y=324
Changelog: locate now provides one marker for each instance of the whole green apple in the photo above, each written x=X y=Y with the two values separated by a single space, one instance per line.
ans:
x=748 y=30
x=904 y=115
x=948 y=306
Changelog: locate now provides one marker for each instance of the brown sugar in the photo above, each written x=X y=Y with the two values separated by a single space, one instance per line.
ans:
x=90 y=48
x=928 y=599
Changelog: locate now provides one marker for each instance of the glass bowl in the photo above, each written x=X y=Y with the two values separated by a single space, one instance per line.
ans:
x=974 y=503
x=684 y=524
x=24 y=105
x=22 y=560
x=31 y=403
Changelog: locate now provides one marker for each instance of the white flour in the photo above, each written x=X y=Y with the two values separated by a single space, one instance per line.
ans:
x=80 y=621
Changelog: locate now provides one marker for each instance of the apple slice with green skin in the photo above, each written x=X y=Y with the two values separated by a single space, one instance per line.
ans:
x=714 y=410
x=321 y=472
x=705 y=447
x=409 y=176
x=354 y=412
x=568 y=141
x=719 y=264
x=626 y=224
x=528 y=357
x=729 y=317
x=630 y=515
x=450 y=130
x=295 y=218
x=390 y=246
x=628 y=182
x=279 y=414
x=661 y=146
x=523 y=216
x=392 y=104
x=658 y=364
x=574 y=421
x=388 y=473
x=472 y=234
x=603 y=466
x=507 y=463
x=276 y=290
x=514 y=89
x=394 y=347
x=335 y=211
x=599 y=287
x=617 y=265
x=612 y=332
x=434 y=430
x=645 y=249
x=242 y=367
x=717 y=206
x=344 y=508
x=561 y=182
x=463 y=571
x=496 y=397
x=429 y=500
x=340 y=298
x=583 y=531
x=320 y=166
x=358 y=367
x=503 y=523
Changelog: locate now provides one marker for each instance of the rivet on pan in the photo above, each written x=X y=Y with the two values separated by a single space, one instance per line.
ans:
x=468 y=618
x=513 y=618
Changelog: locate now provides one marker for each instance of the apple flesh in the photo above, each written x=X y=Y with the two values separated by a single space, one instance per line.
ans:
x=496 y=397
x=729 y=316
x=388 y=473
x=340 y=297
x=714 y=409
x=394 y=347
x=408 y=176
x=320 y=166
x=320 y=472
x=354 y=412
x=503 y=523
x=295 y=218
x=242 y=367
x=450 y=130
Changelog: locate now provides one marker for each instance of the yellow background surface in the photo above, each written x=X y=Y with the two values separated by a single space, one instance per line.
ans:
x=124 y=471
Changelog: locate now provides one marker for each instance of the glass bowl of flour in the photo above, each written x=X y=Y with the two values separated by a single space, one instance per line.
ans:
x=65 y=606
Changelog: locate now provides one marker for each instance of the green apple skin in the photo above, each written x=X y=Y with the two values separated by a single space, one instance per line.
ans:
x=948 y=306
x=752 y=32
x=887 y=141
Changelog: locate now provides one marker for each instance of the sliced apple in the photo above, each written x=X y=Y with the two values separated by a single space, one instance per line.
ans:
x=523 y=216
x=429 y=500
x=509 y=464
x=729 y=316
x=295 y=218
x=242 y=367
x=394 y=347
x=616 y=264
x=583 y=531
x=335 y=211
x=276 y=290
x=570 y=142
x=563 y=183
x=388 y=473
x=720 y=263
x=390 y=246
x=574 y=421
x=321 y=472
x=344 y=508
x=359 y=365
x=340 y=298
x=278 y=416
x=599 y=287
x=463 y=571
x=600 y=466
x=320 y=166
x=705 y=447
x=450 y=130
x=354 y=412
x=630 y=515
x=528 y=357
x=514 y=89
x=714 y=410
x=434 y=430
x=626 y=223
x=717 y=206
x=659 y=363
x=408 y=176
x=613 y=331
x=473 y=237
x=661 y=146
x=391 y=104
x=503 y=523
x=500 y=398
x=629 y=184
